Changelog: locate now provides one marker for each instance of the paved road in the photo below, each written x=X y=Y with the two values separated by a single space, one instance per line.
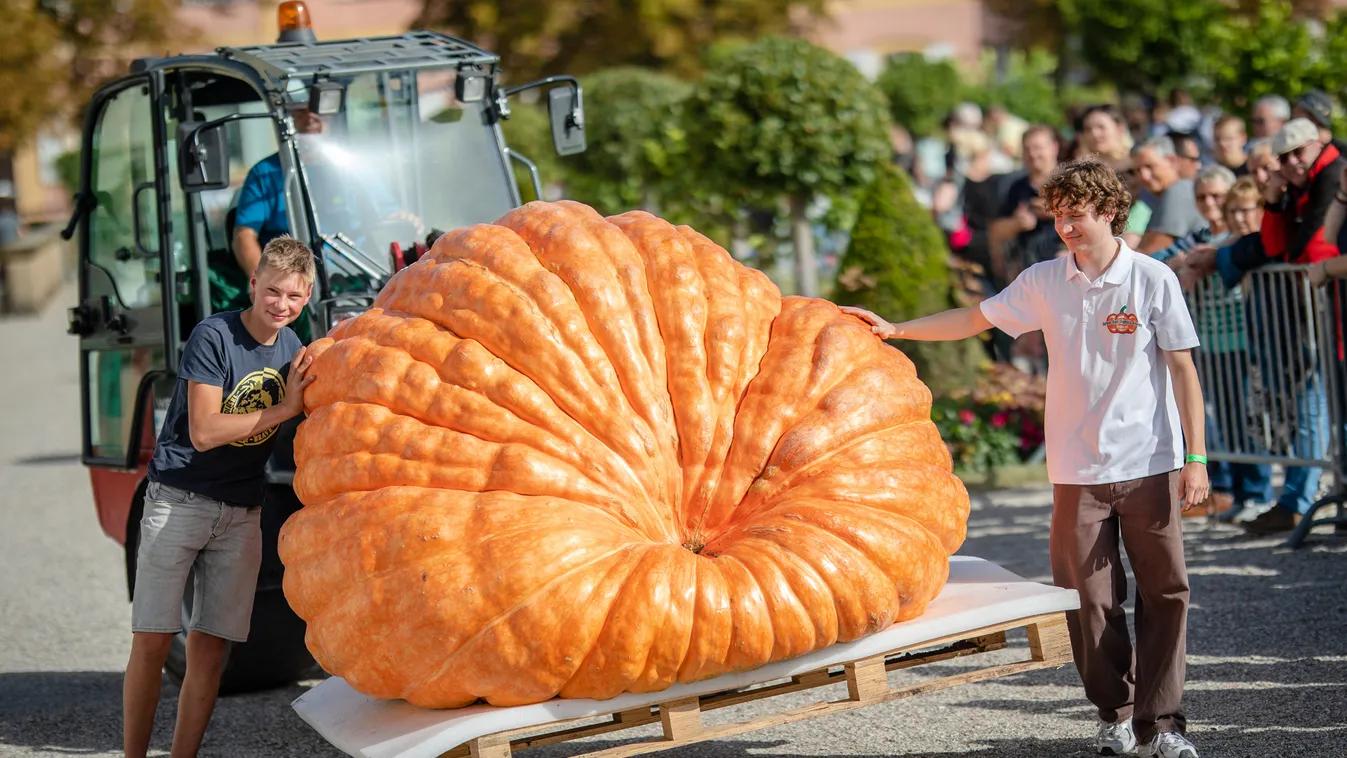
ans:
x=1267 y=664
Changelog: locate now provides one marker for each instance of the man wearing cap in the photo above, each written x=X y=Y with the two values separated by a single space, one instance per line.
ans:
x=1293 y=227
x=1318 y=108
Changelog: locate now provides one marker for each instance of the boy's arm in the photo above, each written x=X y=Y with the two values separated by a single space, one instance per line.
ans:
x=209 y=428
x=1193 y=485
x=1013 y=310
x=956 y=324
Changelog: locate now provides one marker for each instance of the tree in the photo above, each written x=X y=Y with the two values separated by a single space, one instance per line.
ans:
x=544 y=38
x=897 y=265
x=1026 y=88
x=1267 y=51
x=1038 y=25
x=920 y=92
x=29 y=75
x=636 y=141
x=1144 y=45
x=784 y=118
x=1153 y=45
x=54 y=54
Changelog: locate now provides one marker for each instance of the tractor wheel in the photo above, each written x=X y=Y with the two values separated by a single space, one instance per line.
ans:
x=273 y=656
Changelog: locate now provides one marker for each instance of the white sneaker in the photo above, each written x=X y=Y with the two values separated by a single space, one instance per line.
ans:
x=1168 y=745
x=1115 y=739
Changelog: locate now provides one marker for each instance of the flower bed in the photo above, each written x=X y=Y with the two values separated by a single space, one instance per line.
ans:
x=997 y=424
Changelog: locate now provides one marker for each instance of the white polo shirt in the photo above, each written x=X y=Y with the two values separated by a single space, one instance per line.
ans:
x=1111 y=414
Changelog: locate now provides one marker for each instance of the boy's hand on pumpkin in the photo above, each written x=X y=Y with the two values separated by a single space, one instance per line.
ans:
x=1194 y=488
x=297 y=379
x=879 y=326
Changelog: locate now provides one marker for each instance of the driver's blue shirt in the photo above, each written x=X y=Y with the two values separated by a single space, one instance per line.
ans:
x=261 y=205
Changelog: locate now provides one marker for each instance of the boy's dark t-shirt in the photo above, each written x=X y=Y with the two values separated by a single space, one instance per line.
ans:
x=221 y=353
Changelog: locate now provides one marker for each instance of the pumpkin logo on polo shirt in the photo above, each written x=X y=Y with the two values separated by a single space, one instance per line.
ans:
x=255 y=392
x=1121 y=322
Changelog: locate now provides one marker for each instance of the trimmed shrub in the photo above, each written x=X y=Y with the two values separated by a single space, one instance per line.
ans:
x=897 y=266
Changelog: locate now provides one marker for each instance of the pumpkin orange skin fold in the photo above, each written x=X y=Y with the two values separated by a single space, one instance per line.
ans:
x=572 y=456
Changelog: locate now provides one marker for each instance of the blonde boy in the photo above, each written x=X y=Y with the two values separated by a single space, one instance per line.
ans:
x=242 y=374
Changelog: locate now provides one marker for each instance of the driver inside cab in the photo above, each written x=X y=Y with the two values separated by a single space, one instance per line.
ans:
x=345 y=200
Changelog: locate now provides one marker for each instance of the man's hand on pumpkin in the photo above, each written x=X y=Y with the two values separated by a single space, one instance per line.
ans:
x=879 y=326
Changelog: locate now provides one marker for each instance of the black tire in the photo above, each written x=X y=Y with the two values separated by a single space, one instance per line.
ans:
x=275 y=654
x=133 y=538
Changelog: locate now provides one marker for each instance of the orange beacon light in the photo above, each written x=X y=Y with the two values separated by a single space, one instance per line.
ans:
x=292 y=19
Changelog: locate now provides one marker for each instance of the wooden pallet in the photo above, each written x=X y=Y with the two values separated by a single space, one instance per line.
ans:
x=867 y=684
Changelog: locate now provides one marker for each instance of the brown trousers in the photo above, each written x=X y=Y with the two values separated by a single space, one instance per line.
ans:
x=1087 y=521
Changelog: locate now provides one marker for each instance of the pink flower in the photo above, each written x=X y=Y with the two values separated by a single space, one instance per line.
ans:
x=999 y=420
x=967 y=416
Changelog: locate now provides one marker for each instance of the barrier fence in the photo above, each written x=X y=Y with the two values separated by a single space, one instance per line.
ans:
x=1271 y=363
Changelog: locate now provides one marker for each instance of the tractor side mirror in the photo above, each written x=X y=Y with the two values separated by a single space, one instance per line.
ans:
x=567 y=112
x=203 y=156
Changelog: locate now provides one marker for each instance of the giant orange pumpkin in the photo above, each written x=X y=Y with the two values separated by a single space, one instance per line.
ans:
x=576 y=456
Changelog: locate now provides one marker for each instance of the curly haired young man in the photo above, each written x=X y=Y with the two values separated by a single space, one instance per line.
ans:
x=1123 y=397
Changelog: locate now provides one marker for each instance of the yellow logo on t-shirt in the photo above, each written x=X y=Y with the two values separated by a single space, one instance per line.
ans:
x=254 y=392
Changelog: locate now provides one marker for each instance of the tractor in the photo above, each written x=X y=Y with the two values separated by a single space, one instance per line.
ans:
x=410 y=147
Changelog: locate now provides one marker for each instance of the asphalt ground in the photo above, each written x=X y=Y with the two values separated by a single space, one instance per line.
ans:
x=1267 y=665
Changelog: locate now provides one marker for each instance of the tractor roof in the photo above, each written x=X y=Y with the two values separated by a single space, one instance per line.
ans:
x=413 y=50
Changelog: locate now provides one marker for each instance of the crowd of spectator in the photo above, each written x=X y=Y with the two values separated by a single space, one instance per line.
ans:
x=1215 y=197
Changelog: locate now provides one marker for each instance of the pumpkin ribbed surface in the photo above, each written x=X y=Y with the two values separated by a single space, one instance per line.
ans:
x=577 y=456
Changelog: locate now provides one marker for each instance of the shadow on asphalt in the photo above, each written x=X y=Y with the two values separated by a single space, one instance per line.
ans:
x=1267 y=671
x=57 y=459
x=80 y=712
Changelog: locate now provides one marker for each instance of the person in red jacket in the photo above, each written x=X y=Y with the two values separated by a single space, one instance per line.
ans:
x=1293 y=227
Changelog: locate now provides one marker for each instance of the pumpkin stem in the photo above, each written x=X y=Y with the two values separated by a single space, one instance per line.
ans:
x=696 y=542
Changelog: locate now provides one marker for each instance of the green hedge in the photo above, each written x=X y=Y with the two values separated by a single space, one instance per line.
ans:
x=897 y=266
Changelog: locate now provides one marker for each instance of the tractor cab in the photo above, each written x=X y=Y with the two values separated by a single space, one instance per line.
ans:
x=366 y=149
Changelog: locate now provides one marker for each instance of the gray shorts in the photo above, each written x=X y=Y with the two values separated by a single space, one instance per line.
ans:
x=182 y=531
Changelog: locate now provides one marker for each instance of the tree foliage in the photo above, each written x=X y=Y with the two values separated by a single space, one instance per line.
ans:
x=637 y=144
x=569 y=37
x=920 y=92
x=1144 y=45
x=1026 y=87
x=1267 y=51
x=1283 y=47
x=897 y=265
x=1226 y=48
x=784 y=117
x=54 y=54
x=29 y=76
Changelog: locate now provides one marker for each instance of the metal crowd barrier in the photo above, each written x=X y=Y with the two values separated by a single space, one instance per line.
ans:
x=1271 y=363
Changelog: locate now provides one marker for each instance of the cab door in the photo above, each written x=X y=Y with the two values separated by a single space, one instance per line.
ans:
x=123 y=317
